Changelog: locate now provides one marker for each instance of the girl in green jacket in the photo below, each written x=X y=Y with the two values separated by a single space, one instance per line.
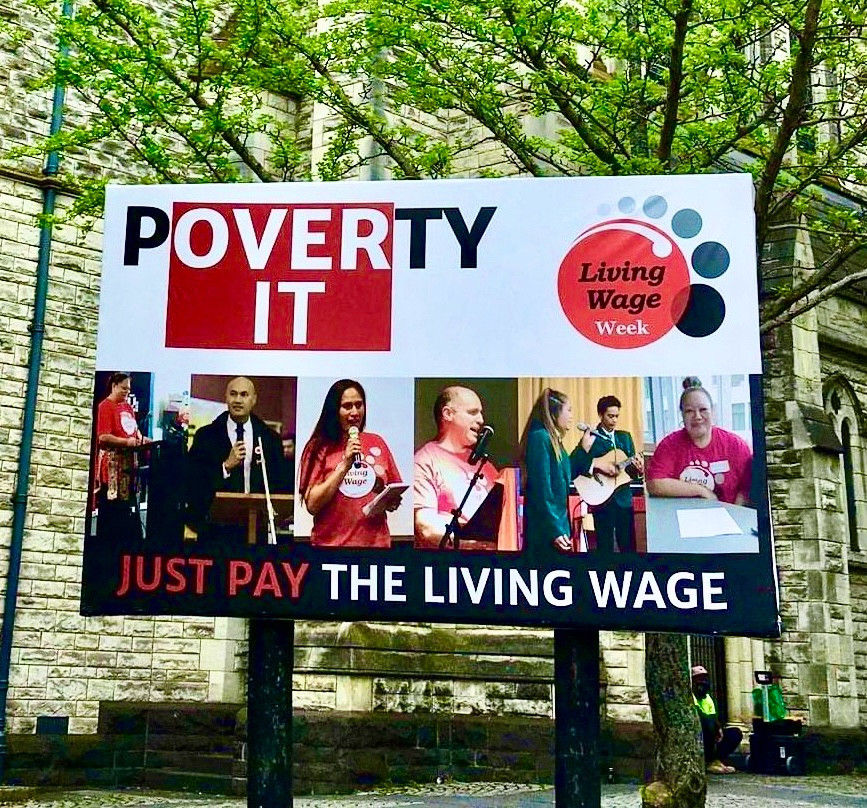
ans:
x=548 y=475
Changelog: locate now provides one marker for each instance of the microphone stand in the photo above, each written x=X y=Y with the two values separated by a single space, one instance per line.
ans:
x=272 y=531
x=142 y=474
x=451 y=534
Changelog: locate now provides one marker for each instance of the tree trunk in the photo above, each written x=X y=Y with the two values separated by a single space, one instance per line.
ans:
x=680 y=780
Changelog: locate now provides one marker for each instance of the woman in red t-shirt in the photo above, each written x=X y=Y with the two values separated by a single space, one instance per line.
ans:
x=701 y=460
x=342 y=469
x=117 y=433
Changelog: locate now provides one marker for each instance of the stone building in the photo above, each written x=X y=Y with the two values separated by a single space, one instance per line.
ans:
x=816 y=454
x=450 y=696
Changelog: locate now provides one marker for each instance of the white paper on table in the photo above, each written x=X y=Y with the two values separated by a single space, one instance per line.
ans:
x=699 y=523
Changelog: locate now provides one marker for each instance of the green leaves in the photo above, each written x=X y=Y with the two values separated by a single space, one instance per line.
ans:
x=201 y=90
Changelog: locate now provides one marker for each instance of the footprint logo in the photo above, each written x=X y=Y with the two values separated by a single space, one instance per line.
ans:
x=698 y=471
x=638 y=273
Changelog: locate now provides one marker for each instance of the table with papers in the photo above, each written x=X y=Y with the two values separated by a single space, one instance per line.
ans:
x=695 y=525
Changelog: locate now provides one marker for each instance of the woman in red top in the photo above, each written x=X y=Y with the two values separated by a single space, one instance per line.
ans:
x=115 y=486
x=342 y=469
x=702 y=459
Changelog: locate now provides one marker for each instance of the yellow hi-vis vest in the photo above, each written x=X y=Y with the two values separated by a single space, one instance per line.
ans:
x=706 y=705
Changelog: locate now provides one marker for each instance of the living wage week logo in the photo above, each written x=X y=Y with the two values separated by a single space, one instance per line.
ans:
x=626 y=283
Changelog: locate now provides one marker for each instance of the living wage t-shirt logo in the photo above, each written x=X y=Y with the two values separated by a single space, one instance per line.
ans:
x=626 y=283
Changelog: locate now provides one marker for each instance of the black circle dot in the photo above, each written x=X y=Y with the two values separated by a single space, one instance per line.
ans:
x=703 y=312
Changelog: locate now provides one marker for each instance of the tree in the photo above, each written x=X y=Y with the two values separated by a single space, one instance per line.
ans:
x=680 y=776
x=775 y=88
x=561 y=88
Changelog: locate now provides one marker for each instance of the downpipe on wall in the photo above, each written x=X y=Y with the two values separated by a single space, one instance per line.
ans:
x=37 y=333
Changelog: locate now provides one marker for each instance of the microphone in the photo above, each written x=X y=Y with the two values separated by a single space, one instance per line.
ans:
x=353 y=433
x=587 y=428
x=482 y=438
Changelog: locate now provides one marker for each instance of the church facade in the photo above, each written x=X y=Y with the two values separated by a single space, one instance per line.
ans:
x=66 y=666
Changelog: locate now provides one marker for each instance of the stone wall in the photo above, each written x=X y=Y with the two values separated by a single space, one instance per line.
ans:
x=49 y=652
x=62 y=663
x=859 y=634
x=444 y=668
x=843 y=345
x=842 y=326
x=25 y=114
x=815 y=657
x=65 y=664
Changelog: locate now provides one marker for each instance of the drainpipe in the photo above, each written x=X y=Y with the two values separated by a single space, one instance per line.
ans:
x=377 y=107
x=37 y=332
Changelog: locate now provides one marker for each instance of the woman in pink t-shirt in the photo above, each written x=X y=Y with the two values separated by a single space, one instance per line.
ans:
x=342 y=469
x=701 y=460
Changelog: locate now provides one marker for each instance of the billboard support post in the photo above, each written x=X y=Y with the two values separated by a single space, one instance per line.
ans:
x=269 y=713
x=576 y=724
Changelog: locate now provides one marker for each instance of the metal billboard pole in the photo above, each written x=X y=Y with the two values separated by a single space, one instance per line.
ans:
x=576 y=718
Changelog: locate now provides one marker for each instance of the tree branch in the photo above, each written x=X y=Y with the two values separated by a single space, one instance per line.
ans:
x=742 y=131
x=805 y=288
x=675 y=82
x=225 y=133
x=819 y=171
x=813 y=300
x=562 y=101
x=791 y=120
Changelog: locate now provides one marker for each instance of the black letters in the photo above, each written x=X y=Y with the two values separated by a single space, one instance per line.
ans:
x=469 y=239
x=134 y=242
x=418 y=218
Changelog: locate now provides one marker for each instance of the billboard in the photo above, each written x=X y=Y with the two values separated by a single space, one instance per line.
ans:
x=517 y=401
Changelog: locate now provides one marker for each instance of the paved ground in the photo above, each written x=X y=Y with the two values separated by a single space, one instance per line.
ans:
x=737 y=791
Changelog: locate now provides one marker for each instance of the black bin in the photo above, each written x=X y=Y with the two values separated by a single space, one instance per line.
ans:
x=776 y=747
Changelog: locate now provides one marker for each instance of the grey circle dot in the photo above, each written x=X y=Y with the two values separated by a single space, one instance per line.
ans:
x=686 y=223
x=655 y=206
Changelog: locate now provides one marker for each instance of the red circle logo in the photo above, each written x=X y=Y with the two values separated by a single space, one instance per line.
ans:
x=623 y=283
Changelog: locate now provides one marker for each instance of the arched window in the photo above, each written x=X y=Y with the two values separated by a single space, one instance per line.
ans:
x=844 y=410
x=849 y=484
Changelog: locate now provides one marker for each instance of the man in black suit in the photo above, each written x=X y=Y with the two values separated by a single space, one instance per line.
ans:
x=223 y=456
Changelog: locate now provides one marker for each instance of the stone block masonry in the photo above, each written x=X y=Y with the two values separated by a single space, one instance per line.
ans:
x=64 y=664
x=68 y=665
